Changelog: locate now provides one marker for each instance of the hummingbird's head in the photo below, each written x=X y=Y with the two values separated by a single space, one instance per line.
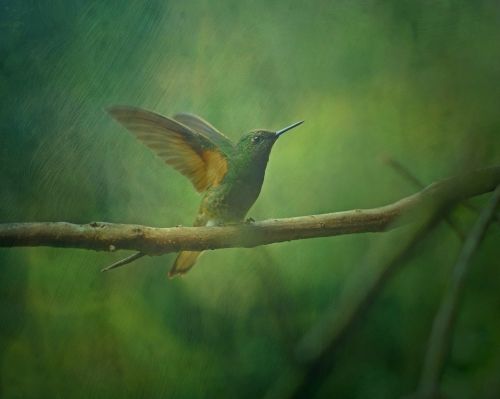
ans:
x=259 y=143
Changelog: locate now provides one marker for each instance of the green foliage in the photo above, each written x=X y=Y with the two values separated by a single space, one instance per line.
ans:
x=414 y=80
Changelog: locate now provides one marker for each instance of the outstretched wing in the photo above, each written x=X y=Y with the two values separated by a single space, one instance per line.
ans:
x=194 y=155
x=204 y=128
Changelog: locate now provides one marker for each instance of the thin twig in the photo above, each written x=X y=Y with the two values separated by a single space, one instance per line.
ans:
x=442 y=329
x=405 y=172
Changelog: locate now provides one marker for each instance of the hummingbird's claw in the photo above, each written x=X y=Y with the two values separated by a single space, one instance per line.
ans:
x=250 y=220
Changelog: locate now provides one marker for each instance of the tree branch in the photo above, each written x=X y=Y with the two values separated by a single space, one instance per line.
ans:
x=403 y=171
x=317 y=351
x=442 y=329
x=155 y=241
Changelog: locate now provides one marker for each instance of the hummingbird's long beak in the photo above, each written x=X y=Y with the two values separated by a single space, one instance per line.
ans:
x=286 y=129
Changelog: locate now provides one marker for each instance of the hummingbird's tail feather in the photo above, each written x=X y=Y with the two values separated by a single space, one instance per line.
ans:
x=123 y=262
x=184 y=261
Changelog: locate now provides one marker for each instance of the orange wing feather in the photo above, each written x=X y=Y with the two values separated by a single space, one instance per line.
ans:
x=189 y=152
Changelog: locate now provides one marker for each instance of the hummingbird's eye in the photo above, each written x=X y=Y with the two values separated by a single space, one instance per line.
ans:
x=256 y=139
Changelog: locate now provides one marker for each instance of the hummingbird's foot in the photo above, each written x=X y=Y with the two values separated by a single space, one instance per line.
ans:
x=215 y=223
x=250 y=220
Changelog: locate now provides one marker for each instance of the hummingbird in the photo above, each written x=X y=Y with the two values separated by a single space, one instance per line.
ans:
x=229 y=176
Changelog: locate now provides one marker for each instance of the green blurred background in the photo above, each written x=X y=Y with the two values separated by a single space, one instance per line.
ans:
x=414 y=80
